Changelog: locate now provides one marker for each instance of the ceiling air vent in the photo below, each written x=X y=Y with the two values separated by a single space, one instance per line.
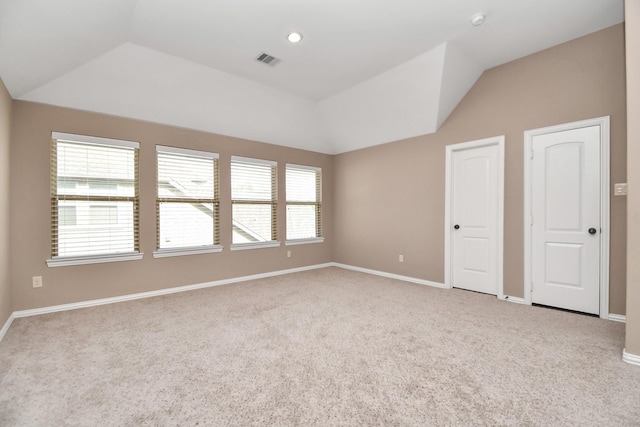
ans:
x=268 y=59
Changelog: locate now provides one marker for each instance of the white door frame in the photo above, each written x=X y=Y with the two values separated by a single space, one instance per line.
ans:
x=603 y=122
x=450 y=149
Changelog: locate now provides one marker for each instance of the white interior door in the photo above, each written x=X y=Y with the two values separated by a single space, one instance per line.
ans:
x=565 y=229
x=475 y=218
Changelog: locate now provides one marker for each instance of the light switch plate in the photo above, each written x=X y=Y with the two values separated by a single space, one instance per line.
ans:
x=620 y=189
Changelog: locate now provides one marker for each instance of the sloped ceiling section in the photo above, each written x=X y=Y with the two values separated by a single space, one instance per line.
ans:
x=137 y=82
x=41 y=40
x=365 y=72
x=142 y=83
x=411 y=99
x=459 y=74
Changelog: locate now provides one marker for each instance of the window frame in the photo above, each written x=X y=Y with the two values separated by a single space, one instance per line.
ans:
x=215 y=201
x=273 y=203
x=317 y=204
x=60 y=261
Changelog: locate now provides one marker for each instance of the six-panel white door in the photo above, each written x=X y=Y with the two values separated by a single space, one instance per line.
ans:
x=474 y=219
x=565 y=207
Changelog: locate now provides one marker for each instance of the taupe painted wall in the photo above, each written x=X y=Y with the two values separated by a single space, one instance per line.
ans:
x=32 y=125
x=632 y=16
x=390 y=198
x=6 y=306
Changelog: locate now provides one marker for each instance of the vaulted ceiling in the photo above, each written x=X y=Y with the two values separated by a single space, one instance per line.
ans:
x=366 y=71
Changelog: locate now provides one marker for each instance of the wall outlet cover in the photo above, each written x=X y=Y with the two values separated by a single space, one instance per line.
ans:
x=620 y=189
x=36 y=281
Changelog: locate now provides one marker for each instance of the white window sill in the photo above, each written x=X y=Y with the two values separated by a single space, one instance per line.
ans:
x=304 y=241
x=93 y=259
x=193 y=250
x=258 y=245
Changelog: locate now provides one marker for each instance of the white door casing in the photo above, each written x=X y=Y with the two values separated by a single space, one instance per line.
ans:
x=474 y=215
x=567 y=216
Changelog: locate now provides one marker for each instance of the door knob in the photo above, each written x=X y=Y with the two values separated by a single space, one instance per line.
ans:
x=592 y=231
x=456 y=226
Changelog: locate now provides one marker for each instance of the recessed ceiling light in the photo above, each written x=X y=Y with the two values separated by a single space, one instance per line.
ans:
x=477 y=19
x=294 y=37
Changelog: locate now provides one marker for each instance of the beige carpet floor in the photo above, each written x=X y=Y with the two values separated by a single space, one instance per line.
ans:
x=323 y=347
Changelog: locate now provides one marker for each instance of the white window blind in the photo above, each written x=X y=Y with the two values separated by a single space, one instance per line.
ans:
x=94 y=196
x=304 y=202
x=254 y=200
x=187 y=204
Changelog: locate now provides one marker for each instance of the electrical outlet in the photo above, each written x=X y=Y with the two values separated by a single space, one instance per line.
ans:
x=288 y=254
x=36 y=281
x=401 y=258
x=620 y=189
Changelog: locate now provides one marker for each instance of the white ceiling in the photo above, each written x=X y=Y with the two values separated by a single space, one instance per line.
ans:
x=191 y=63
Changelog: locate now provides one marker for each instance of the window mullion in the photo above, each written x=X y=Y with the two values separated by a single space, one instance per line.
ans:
x=54 y=198
x=136 y=202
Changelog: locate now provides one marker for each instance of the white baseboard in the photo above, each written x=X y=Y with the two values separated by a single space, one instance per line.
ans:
x=131 y=297
x=516 y=300
x=630 y=358
x=392 y=276
x=617 y=317
x=5 y=328
x=160 y=292
x=103 y=301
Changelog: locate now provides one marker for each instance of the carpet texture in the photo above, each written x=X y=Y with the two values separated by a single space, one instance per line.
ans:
x=322 y=347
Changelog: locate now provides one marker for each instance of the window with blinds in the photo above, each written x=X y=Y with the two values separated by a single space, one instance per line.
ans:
x=94 y=199
x=304 y=202
x=253 y=200
x=187 y=204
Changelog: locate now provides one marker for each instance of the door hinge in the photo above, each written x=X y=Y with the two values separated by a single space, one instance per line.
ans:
x=531 y=153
